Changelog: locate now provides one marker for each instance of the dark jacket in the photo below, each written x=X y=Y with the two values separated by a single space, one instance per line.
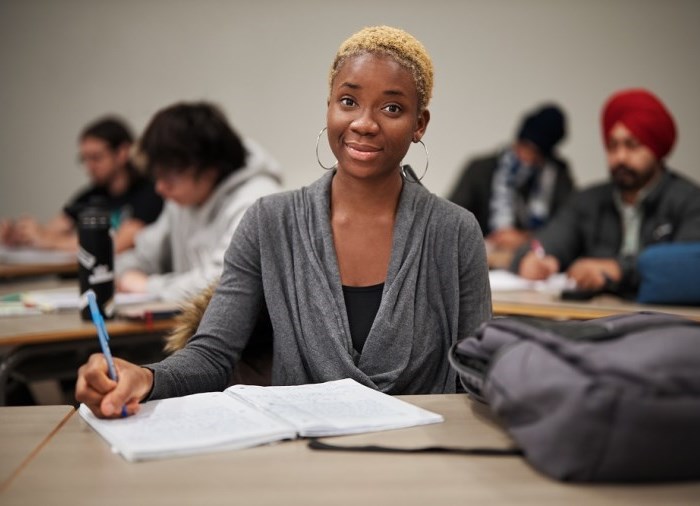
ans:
x=590 y=225
x=474 y=188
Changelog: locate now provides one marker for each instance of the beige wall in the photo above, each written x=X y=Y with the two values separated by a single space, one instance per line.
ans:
x=65 y=62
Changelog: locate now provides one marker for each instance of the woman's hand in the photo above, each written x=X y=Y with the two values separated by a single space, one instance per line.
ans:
x=106 y=397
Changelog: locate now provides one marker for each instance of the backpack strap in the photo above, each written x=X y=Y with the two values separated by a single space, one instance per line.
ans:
x=598 y=329
x=315 y=444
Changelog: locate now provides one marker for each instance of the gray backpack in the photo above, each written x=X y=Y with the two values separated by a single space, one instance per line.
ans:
x=609 y=399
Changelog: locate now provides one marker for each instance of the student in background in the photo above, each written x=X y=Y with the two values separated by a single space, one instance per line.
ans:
x=104 y=148
x=596 y=237
x=365 y=273
x=514 y=191
x=209 y=177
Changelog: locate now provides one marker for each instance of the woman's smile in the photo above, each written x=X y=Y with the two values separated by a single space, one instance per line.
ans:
x=362 y=152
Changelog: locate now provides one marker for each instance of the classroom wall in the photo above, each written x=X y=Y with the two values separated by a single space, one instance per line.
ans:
x=63 y=63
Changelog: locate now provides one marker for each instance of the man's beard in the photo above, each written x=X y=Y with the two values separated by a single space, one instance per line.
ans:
x=106 y=182
x=627 y=179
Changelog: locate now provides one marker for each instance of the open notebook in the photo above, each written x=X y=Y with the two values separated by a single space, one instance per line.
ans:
x=243 y=416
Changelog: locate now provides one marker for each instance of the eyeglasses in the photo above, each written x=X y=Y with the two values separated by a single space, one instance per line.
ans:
x=85 y=158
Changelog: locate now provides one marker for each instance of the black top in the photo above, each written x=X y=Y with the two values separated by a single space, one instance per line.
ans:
x=140 y=202
x=362 y=304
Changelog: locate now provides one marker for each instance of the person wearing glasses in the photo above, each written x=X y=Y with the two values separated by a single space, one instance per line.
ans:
x=600 y=234
x=115 y=184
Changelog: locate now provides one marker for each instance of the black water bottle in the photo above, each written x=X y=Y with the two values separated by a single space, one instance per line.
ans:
x=96 y=259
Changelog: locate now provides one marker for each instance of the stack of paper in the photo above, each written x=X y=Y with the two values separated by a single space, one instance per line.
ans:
x=11 y=308
x=61 y=298
x=503 y=281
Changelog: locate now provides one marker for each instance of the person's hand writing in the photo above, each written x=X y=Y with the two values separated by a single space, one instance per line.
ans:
x=133 y=282
x=594 y=273
x=535 y=266
x=106 y=397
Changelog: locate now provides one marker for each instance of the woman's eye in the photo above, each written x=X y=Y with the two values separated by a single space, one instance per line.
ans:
x=347 y=101
x=393 y=108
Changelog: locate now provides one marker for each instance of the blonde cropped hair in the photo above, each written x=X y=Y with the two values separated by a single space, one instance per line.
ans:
x=398 y=44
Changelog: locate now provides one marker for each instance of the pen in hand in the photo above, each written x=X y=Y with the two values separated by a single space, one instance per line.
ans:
x=103 y=337
x=537 y=248
x=537 y=264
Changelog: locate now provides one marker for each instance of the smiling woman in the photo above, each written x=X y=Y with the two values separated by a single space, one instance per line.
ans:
x=364 y=274
x=373 y=115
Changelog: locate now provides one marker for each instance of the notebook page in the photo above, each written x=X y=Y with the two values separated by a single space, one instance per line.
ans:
x=188 y=425
x=335 y=407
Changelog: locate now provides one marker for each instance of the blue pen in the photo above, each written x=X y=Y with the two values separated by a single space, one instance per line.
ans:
x=103 y=337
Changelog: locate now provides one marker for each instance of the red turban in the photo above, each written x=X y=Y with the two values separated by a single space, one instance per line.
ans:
x=645 y=116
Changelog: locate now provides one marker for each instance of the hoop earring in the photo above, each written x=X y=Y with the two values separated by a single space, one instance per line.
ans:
x=409 y=175
x=318 y=159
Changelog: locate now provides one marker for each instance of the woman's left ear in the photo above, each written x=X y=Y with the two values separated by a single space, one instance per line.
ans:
x=421 y=125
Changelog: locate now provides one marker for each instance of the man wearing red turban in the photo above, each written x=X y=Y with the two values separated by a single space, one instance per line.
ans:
x=600 y=231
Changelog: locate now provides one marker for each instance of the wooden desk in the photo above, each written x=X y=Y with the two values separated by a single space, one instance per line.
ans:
x=28 y=261
x=26 y=337
x=68 y=326
x=544 y=305
x=12 y=271
x=62 y=325
x=77 y=467
x=23 y=431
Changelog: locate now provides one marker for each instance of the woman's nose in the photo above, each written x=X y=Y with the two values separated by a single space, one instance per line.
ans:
x=364 y=123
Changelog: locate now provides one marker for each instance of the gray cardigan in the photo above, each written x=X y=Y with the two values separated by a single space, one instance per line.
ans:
x=282 y=254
